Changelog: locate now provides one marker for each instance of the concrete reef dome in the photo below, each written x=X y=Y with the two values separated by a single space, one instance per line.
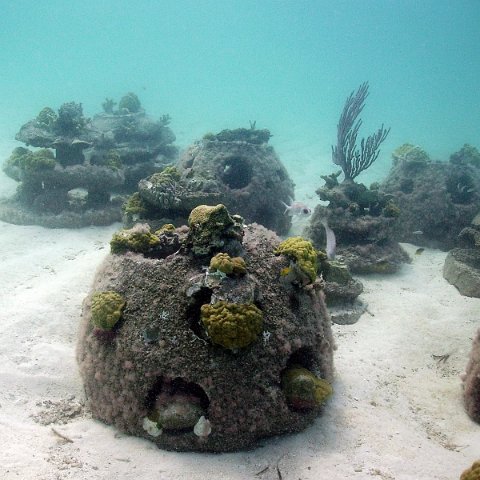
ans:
x=210 y=347
x=234 y=167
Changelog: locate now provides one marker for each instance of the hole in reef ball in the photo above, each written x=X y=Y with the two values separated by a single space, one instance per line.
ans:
x=302 y=357
x=236 y=172
x=201 y=297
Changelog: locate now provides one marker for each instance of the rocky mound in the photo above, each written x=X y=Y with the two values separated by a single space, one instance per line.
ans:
x=206 y=338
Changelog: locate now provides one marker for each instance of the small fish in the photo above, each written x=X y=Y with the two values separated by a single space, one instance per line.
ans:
x=331 y=240
x=417 y=232
x=296 y=209
x=419 y=251
x=464 y=188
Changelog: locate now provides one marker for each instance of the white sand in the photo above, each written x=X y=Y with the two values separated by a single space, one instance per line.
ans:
x=396 y=413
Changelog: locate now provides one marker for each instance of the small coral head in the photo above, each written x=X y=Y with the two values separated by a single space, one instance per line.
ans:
x=473 y=473
x=304 y=258
x=106 y=309
x=223 y=262
x=213 y=229
x=303 y=390
x=232 y=325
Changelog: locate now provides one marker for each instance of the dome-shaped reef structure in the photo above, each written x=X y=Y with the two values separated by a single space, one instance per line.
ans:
x=436 y=199
x=462 y=263
x=81 y=166
x=207 y=337
x=234 y=167
x=361 y=218
x=471 y=381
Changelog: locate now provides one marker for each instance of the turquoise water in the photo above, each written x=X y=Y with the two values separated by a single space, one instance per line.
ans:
x=288 y=65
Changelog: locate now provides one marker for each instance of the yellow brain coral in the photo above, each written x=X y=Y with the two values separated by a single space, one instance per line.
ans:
x=302 y=253
x=106 y=309
x=228 y=265
x=473 y=473
x=232 y=325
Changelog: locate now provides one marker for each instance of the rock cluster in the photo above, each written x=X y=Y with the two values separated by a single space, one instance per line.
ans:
x=82 y=165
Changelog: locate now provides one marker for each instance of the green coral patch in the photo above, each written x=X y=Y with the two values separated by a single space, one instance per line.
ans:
x=302 y=253
x=106 y=309
x=166 y=228
x=129 y=103
x=303 y=390
x=228 y=265
x=411 y=153
x=166 y=176
x=29 y=161
x=391 y=209
x=138 y=239
x=46 y=118
x=134 y=205
x=211 y=227
x=232 y=325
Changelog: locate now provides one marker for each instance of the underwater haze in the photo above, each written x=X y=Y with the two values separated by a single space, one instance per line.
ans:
x=288 y=65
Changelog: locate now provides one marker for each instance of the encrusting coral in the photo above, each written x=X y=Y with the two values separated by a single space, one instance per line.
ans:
x=303 y=389
x=228 y=265
x=232 y=325
x=129 y=103
x=303 y=258
x=210 y=226
x=137 y=239
x=106 y=309
x=27 y=161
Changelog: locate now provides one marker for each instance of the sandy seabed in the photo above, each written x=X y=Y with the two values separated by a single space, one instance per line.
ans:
x=396 y=413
